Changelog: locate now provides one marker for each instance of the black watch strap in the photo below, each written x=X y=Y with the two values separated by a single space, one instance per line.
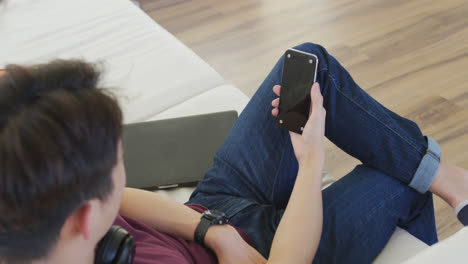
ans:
x=201 y=230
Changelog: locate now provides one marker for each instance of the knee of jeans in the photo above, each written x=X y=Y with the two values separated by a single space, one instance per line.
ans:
x=317 y=50
x=308 y=46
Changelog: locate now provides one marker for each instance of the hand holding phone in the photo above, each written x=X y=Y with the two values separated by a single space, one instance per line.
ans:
x=310 y=142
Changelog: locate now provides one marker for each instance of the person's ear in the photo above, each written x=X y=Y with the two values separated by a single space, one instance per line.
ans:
x=79 y=222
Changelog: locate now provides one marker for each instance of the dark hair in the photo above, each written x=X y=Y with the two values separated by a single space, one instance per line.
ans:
x=59 y=138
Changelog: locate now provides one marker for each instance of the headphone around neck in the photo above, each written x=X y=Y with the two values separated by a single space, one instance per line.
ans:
x=116 y=247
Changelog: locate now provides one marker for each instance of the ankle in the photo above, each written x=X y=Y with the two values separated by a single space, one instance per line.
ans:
x=461 y=186
x=451 y=184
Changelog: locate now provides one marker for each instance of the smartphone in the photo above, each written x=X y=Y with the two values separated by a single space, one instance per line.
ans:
x=299 y=74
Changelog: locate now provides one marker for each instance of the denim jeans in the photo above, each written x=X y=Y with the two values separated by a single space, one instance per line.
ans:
x=254 y=171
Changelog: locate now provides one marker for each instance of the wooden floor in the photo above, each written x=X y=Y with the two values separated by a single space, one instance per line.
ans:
x=410 y=55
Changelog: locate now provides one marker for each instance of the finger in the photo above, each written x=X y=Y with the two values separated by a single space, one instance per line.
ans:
x=317 y=100
x=277 y=89
x=275 y=111
x=312 y=89
x=311 y=103
x=275 y=103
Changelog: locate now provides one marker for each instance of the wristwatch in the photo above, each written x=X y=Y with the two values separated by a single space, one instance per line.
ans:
x=208 y=218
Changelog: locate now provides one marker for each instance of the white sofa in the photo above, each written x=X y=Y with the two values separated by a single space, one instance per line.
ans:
x=154 y=75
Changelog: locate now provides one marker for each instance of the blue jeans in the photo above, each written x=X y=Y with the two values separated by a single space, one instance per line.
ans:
x=255 y=170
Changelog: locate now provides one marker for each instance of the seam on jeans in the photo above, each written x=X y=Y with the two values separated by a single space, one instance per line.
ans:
x=238 y=174
x=399 y=219
x=373 y=116
x=433 y=155
x=221 y=207
x=381 y=205
x=372 y=211
x=237 y=208
x=229 y=165
x=277 y=170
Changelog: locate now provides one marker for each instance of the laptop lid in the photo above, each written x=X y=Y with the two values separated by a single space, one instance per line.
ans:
x=173 y=152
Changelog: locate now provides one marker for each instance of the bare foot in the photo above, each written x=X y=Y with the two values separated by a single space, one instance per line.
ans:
x=451 y=184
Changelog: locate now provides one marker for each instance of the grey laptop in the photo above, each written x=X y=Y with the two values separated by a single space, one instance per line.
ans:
x=173 y=152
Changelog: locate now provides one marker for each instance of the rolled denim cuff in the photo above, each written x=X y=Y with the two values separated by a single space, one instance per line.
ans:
x=427 y=169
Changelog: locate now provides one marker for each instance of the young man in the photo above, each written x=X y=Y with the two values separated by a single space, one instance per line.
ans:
x=62 y=177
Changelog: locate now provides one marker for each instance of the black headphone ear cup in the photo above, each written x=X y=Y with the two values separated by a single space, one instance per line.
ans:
x=116 y=247
x=126 y=251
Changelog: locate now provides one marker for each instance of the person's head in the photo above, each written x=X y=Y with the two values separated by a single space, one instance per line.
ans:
x=61 y=167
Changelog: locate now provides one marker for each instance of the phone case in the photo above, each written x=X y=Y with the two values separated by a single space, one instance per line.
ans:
x=298 y=76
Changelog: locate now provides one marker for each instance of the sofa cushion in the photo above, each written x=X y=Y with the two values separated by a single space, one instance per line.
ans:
x=150 y=69
x=450 y=250
x=401 y=246
x=222 y=98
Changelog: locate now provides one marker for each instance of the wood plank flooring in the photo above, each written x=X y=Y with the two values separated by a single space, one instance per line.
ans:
x=410 y=55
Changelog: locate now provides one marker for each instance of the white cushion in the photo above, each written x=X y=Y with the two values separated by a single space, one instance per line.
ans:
x=401 y=246
x=181 y=194
x=452 y=250
x=151 y=70
x=222 y=98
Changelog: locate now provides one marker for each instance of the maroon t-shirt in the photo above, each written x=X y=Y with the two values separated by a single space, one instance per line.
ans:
x=159 y=248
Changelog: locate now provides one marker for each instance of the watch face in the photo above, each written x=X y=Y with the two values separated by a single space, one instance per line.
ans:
x=213 y=214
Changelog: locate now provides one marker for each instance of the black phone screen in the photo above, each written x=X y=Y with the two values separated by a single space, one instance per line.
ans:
x=299 y=72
